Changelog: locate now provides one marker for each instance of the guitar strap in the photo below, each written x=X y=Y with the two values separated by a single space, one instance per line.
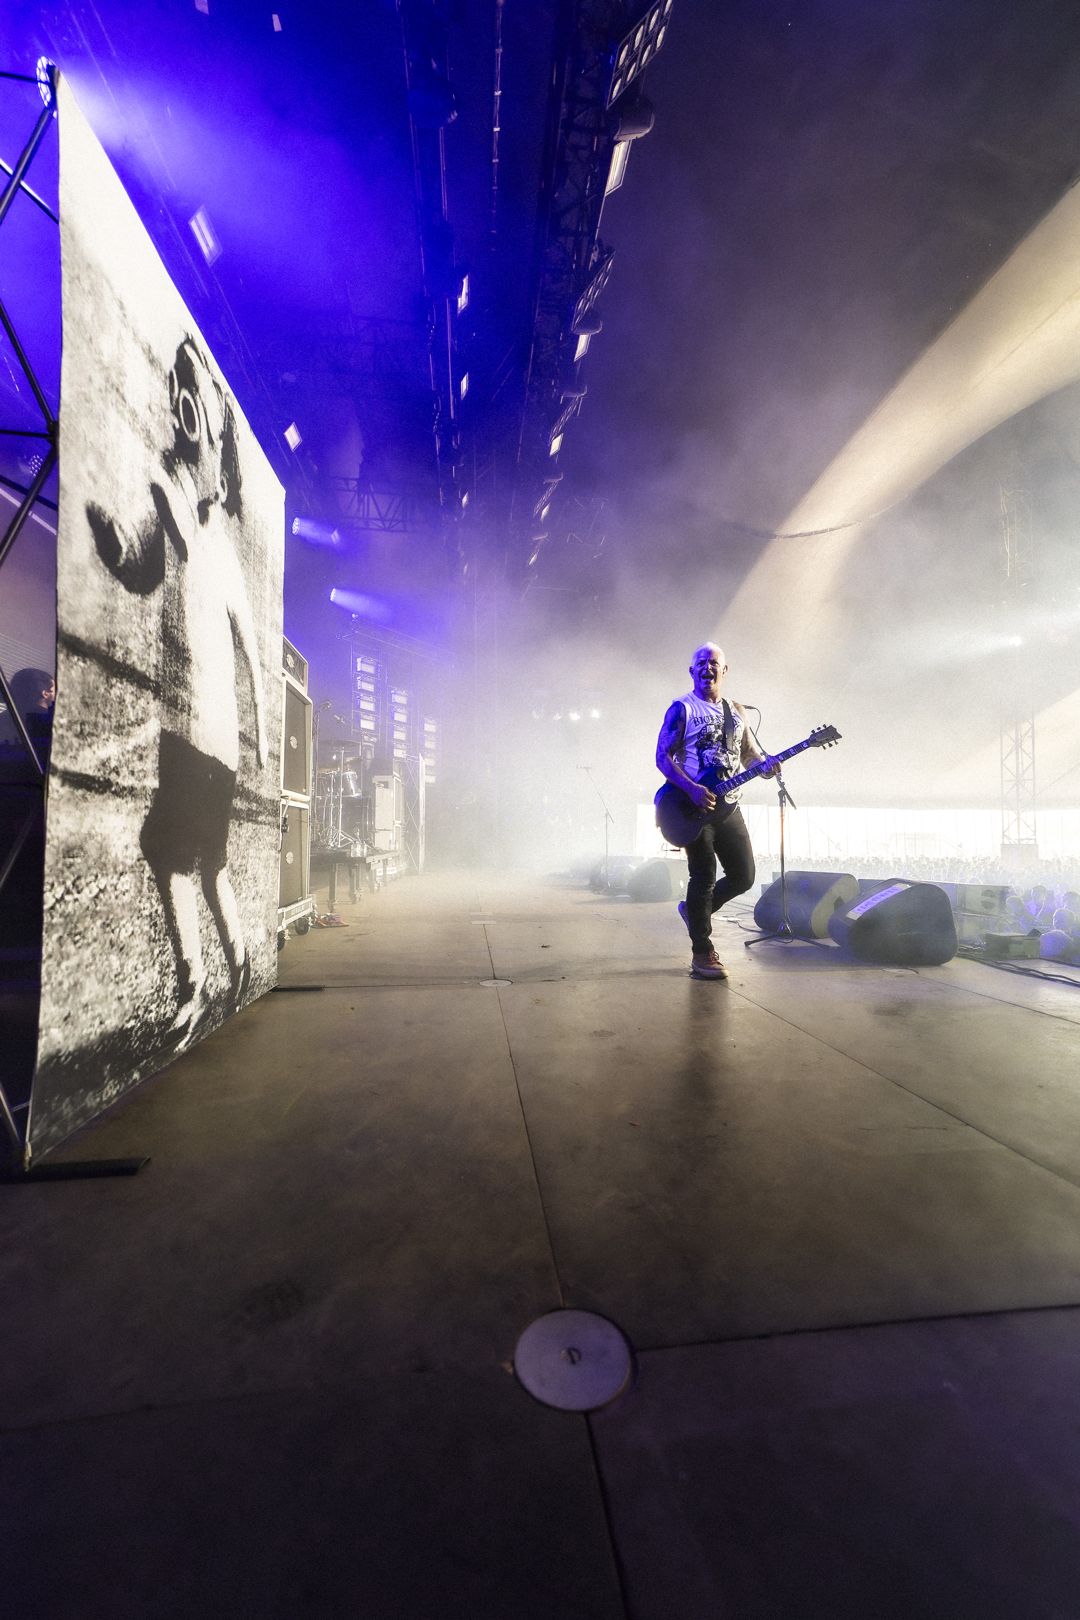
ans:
x=729 y=728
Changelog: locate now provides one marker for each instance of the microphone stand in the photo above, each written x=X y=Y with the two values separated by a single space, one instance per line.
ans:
x=608 y=817
x=783 y=930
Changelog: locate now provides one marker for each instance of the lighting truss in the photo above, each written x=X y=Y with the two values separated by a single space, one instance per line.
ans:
x=425 y=40
x=378 y=511
x=599 y=43
x=569 y=257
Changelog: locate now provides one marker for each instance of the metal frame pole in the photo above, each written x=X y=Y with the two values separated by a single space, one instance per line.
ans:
x=16 y=184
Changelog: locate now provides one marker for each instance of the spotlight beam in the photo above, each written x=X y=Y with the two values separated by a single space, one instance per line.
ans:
x=1017 y=341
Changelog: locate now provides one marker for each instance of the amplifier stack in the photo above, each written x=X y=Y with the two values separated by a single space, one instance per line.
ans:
x=296 y=905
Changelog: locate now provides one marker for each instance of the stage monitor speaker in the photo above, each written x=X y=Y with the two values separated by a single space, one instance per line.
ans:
x=981 y=899
x=295 y=742
x=812 y=897
x=903 y=924
x=661 y=879
x=294 y=882
x=294 y=664
x=613 y=874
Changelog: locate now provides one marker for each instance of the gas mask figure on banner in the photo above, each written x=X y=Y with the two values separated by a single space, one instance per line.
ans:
x=185 y=546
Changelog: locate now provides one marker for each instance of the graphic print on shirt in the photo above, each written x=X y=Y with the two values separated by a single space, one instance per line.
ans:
x=712 y=740
x=710 y=744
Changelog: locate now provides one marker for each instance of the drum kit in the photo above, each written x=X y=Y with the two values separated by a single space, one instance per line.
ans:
x=342 y=812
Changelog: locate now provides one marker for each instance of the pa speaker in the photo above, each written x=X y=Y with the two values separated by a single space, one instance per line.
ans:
x=659 y=879
x=295 y=741
x=906 y=924
x=812 y=897
x=294 y=882
x=294 y=664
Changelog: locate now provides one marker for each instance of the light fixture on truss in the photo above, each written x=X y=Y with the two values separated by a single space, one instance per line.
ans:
x=45 y=74
x=597 y=282
x=638 y=48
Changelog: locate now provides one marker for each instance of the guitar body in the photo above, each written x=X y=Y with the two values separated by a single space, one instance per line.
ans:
x=679 y=818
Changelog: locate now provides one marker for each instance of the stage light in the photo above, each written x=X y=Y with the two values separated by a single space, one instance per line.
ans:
x=276 y=20
x=292 y=436
x=464 y=499
x=594 y=714
x=316 y=533
x=360 y=605
x=617 y=172
x=205 y=234
x=556 y=445
x=43 y=72
x=582 y=347
x=464 y=385
x=583 y=310
x=463 y=295
x=638 y=48
x=574 y=716
x=587 y=322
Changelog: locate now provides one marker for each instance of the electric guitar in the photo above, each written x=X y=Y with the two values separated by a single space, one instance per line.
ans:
x=680 y=819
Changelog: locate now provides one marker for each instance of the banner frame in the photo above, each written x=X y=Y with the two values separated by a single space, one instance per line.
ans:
x=16 y=183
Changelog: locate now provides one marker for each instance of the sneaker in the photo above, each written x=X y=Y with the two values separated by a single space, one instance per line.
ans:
x=708 y=967
x=682 y=914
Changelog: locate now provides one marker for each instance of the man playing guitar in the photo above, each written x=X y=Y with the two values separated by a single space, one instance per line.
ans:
x=704 y=732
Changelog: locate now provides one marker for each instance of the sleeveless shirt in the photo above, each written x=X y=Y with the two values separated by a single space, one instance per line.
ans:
x=712 y=740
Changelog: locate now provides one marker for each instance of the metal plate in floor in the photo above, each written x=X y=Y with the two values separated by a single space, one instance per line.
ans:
x=575 y=1361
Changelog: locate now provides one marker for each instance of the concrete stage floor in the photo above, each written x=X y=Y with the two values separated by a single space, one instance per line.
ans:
x=836 y=1209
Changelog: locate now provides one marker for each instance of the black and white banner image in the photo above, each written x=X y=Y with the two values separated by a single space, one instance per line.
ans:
x=161 y=865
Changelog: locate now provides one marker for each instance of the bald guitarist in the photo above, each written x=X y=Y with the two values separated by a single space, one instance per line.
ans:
x=706 y=732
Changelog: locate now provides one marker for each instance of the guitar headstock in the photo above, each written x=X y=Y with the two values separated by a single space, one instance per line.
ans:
x=824 y=736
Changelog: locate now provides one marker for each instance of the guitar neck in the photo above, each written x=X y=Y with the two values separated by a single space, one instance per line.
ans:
x=762 y=765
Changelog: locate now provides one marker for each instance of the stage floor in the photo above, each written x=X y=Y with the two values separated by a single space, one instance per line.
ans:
x=835 y=1208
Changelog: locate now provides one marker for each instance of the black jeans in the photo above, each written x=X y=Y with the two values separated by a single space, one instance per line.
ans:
x=728 y=842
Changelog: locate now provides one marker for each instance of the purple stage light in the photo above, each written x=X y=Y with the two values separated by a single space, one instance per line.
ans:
x=316 y=533
x=365 y=607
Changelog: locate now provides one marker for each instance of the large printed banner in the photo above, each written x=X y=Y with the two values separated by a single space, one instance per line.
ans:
x=161 y=846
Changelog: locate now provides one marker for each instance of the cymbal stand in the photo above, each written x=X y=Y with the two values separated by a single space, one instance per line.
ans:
x=339 y=839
